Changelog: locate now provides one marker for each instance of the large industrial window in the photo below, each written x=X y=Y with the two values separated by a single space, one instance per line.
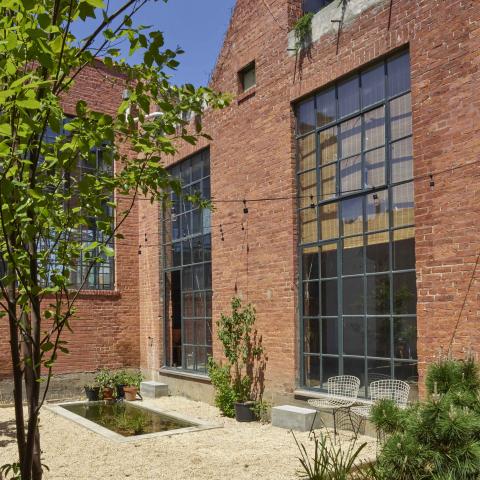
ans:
x=99 y=276
x=356 y=228
x=188 y=270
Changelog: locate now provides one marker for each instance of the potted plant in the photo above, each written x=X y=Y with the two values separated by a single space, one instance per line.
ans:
x=92 y=391
x=106 y=381
x=239 y=383
x=131 y=386
x=120 y=383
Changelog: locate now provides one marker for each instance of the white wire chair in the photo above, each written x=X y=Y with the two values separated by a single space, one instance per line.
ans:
x=395 y=390
x=342 y=393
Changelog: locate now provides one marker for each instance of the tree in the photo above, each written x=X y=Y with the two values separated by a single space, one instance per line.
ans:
x=44 y=200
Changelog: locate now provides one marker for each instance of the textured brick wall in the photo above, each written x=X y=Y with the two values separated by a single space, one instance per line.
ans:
x=252 y=156
x=106 y=324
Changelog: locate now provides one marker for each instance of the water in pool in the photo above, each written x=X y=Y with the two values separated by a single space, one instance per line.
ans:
x=125 y=418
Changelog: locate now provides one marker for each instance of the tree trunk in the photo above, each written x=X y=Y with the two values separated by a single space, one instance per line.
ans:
x=17 y=374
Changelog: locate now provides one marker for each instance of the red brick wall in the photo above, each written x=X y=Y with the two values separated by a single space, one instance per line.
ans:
x=252 y=156
x=105 y=328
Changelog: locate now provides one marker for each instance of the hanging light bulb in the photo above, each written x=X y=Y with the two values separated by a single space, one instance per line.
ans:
x=245 y=208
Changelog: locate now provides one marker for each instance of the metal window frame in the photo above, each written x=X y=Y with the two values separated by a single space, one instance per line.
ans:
x=165 y=270
x=338 y=198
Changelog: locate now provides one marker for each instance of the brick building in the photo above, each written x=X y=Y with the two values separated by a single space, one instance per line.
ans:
x=345 y=184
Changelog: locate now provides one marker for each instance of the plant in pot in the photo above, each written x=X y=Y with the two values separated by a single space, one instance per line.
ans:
x=131 y=386
x=120 y=383
x=92 y=391
x=106 y=382
x=239 y=383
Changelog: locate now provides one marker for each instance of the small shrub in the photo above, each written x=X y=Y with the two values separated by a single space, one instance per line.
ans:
x=225 y=396
x=241 y=378
x=439 y=438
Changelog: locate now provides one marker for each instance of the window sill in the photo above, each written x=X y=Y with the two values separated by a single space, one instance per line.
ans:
x=173 y=372
x=93 y=293
x=244 y=96
x=304 y=394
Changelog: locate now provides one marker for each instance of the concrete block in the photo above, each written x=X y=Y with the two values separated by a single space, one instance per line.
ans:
x=153 y=389
x=295 y=418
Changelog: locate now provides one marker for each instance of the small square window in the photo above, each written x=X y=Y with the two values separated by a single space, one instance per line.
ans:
x=247 y=77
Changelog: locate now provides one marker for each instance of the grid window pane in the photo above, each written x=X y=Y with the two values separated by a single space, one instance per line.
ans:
x=312 y=371
x=305 y=117
x=402 y=161
x=308 y=188
x=307 y=153
x=377 y=211
x=375 y=168
x=326 y=108
x=328 y=146
x=352 y=216
x=378 y=337
x=311 y=332
x=310 y=263
x=373 y=85
x=405 y=337
x=364 y=275
x=398 y=74
x=329 y=297
x=374 y=128
x=378 y=295
x=308 y=225
x=353 y=336
x=402 y=205
x=351 y=137
x=348 y=97
x=400 y=117
x=378 y=254
x=328 y=182
x=329 y=336
x=351 y=174
x=353 y=297
x=188 y=301
x=328 y=260
x=352 y=258
x=404 y=249
x=328 y=221
x=311 y=299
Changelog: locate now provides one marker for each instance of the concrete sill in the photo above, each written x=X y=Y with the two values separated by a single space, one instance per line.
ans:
x=172 y=372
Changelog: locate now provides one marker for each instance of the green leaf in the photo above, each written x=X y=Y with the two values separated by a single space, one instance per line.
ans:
x=47 y=346
x=29 y=103
x=96 y=3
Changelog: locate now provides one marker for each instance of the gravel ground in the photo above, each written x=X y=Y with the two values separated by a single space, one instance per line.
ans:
x=236 y=451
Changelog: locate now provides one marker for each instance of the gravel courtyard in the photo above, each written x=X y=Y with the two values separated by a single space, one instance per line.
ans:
x=235 y=451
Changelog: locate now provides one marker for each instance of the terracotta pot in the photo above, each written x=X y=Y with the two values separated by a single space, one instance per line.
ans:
x=107 y=393
x=130 y=393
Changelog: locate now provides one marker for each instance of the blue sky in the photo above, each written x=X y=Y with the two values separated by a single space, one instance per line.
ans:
x=197 y=26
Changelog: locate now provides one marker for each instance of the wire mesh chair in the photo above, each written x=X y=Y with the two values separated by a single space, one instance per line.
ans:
x=395 y=390
x=342 y=392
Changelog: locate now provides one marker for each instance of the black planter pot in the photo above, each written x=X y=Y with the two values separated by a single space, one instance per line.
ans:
x=244 y=412
x=92 y=393
x=120 y=392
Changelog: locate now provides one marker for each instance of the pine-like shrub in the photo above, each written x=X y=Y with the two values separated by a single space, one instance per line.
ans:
x=438 y=439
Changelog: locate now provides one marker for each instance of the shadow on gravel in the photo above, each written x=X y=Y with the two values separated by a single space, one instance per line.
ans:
x=7 y=429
